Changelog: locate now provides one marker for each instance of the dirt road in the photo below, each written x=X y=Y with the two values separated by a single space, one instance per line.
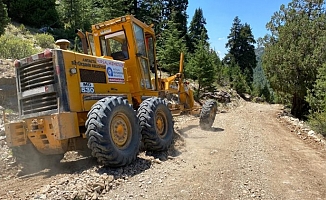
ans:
x=249 y=154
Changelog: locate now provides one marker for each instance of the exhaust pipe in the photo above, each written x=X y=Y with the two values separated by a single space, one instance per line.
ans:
x=83 y=39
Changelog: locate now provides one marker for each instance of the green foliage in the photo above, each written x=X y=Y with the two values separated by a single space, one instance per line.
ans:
x=150 y=12
x=218 y=66
x=159 y=13
x=233 y=41
x=267 y=93
x=260 y=85
x=201 y=67
x=4 y=20
x=76 y=14
x=36 y=13
x=238 y=79
x=22 y=29
x=241 y=49
x=295 y=51
x=317 y=122
x=197 y=31
x=317 y=96
x=45 y=40
x=15 y=47
x=223 y=75
x=13 y=29
x=168 y=53
x=178 y=7
x=81 y=14
x=264 y=92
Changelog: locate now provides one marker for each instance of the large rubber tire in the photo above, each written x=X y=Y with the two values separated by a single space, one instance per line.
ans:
x=113 y=132
x=207 y=114
x=32 y=160
x=156 y=124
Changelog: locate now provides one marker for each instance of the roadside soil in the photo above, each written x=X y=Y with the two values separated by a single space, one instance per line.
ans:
x=251 y=152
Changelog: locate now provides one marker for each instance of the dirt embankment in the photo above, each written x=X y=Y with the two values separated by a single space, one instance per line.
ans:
x=252 y=152
x=8 y=91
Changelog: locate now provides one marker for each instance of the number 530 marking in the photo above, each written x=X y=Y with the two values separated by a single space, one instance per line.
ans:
x=87 y=90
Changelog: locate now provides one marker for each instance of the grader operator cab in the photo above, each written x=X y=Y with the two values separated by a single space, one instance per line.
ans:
x=108 y=98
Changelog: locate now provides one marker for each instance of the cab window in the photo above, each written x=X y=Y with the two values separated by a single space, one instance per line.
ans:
x=151 y=53
x=91 y=43
x=140 y=41
x=142 y=56
x=115 y=45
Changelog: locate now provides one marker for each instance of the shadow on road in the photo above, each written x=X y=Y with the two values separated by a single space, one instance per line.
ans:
x=188 y=128
x=216 y=129
x=183 y=131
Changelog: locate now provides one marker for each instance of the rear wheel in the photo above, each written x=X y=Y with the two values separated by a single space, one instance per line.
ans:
x=112 y=131
x=156 y=124
x=207 y=114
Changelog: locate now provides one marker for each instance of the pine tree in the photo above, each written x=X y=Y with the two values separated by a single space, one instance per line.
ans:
x=114 y=8
x=76 y=14
x=197 y=31
x=247 y=60
x=317 y=101
x=151 y=12
x=8 y=4
x=169 y=52
x=317 y=96
x=180 y=9
x=233 y=41
x=201 y=66
x=3 y=17
x=37 y=13
x=260 y=85
x=241 y=49
x=238 y=79
x=217 y=63
x=295 y=51
x=159 y=13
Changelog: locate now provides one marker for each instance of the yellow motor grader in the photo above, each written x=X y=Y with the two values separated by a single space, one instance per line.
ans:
x=108 y=98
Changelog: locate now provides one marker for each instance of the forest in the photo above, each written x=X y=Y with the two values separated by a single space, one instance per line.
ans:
x=286 y=66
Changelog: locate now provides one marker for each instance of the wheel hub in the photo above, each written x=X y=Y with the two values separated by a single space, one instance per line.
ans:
x=212 y=113
x=160 y=124
x=120 y=130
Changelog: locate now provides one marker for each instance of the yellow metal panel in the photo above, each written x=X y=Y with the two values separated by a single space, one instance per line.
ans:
x=65 y=125
x=111 y=88
x=191 y=98
x=75 y=103
x=150 y=93
x=40 y=132
x=88 y=104
x=15 y=134
x=82 y=61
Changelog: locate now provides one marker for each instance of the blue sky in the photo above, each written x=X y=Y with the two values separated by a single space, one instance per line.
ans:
x=219 y=15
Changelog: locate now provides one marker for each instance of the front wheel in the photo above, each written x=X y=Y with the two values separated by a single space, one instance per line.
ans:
x=207 y=114
x=156 y=124
x=112 y=131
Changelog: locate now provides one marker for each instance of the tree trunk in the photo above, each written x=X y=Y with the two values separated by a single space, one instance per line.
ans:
x=300 y=108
